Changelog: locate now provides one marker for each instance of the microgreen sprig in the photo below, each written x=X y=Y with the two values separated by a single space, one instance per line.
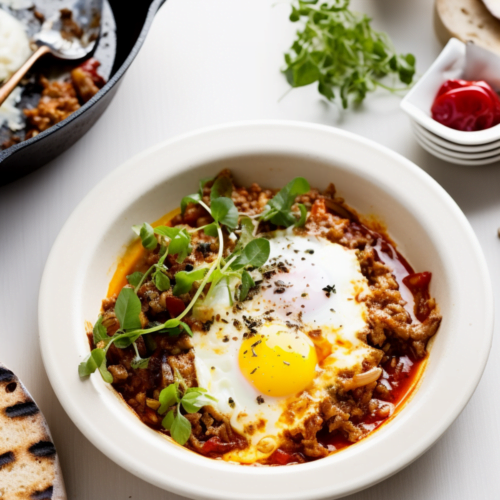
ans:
x=339 y=50
x=249 y=253
x=177 y=396
x=279 y=209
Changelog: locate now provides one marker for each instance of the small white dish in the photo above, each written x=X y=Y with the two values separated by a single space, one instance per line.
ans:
x=456 y=154
x=439 y=153
x=417 y=103
x=491 y=146
x=421 y=217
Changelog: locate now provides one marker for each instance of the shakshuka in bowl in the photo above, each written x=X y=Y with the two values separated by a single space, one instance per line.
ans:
x=259 y=307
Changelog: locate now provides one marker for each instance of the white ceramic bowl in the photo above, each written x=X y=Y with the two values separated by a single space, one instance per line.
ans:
x=473 y=158
x=418 y=102
x=453 y=157
x=490 y=147
x=431 y=232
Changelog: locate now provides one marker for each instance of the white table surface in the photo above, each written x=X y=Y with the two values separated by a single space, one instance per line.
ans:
x=207 y=62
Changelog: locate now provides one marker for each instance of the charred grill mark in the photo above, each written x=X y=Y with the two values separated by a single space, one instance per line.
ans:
x=11 y=387
x=43 y=449
x=43 y=495
x=7 y=458
x=6 y=375
x=22 y=410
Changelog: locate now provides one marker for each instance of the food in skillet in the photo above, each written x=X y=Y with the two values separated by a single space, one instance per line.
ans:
x=263 y=326
x=55 y=98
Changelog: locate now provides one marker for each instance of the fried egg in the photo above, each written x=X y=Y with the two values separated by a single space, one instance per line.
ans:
x=271 y=359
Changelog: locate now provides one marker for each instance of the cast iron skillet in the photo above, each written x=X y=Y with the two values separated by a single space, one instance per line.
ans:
x=132 y=26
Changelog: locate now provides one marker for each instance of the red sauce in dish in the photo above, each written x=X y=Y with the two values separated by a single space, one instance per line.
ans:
x=466 y=105
x=400 y=375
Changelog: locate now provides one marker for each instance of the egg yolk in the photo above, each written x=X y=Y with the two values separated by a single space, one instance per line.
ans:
x=278 y=361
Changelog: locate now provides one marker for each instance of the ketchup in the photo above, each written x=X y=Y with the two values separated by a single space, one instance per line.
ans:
x=467 y=106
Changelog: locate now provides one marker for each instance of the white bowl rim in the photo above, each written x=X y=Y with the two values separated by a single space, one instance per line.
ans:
x=472 y=157
x=484 y=148
x=439 y=153
x=201 y=478
x=453 y=49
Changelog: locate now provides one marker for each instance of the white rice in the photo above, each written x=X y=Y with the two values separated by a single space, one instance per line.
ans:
x=14 y=45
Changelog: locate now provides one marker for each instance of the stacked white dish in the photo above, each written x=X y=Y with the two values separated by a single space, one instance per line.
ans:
x=457 y=60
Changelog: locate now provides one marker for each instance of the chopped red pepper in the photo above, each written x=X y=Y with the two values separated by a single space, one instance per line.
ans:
x=174 y=306
x=90 y=67
x=466 y=105
x=215 y=445
x=280 y=457
x=418 y=284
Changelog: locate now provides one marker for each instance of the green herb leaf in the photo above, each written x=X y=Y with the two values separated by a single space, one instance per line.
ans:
x=162 y=281
x=128 y=309
x=247 y=228
x=279 y=209
x=95 y=361
x=172 y=323
x=193 y=400
x=99 y=332
x=168 y=397
x=180 y=241
x=192 y=198
x=255 y=254
x=139 y=362
x=147 y=235
x=124 y=340
x=187 y=328
x=247 y=282
x=180 y=429
x=184 y=280
x=135 y=278
x=339 y=49
x=211 y=230
x=168 y=420
x=303 y=216
x=222 y=187
x=224 y=212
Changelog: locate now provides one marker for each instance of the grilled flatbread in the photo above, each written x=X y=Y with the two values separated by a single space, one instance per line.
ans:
x=29 y=468
x=467 y=20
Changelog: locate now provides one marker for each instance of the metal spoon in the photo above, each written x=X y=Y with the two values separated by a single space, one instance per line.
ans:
x=56 y=38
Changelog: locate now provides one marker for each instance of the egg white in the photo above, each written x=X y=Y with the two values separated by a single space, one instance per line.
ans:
x=313 y=263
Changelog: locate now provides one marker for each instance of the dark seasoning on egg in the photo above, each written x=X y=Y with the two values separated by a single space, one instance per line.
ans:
x=355 y=403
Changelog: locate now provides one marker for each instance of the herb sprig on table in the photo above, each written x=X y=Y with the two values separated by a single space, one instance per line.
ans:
x=250 y=252
x=338 y=49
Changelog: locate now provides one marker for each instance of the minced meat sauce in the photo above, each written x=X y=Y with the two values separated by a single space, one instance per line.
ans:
x=399 y=327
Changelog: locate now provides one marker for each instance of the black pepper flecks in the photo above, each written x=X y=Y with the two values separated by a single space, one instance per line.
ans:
x=329 y=289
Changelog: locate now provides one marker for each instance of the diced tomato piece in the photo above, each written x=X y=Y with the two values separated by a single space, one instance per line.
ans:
x=90 y=67
x=215 y=445
x=280 y=457
x=174 y=306
x=318 y=210
x=418 y=282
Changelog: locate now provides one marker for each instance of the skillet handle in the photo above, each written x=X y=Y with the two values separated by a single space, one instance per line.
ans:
x=13 y=81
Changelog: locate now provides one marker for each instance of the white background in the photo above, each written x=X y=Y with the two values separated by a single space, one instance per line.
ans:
x=213 y=61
